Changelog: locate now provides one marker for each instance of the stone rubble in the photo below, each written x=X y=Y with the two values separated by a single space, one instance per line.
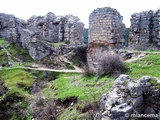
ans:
x=145 y=27
x=128 y=97
x=39 y=30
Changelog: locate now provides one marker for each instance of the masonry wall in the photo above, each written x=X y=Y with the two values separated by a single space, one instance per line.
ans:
x=106 y=32
x=145 y=27
x=106 y=24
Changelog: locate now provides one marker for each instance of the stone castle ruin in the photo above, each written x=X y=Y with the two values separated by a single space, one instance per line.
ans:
x=57 y=28
x=106 y=32
x=145 y=27
x=39 y=30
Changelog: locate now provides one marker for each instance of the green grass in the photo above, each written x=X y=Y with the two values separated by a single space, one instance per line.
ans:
x=76 y=85
x=58 y=44
x=3 y=42
x=69 y=66
x=84 y=88
x=69 y=114
x=61 y=86
x=16 y=51
x=149 y=66
x=17 y=81
x=16 y=100
x=19 y=52
x=154 y=83
x=2 y=57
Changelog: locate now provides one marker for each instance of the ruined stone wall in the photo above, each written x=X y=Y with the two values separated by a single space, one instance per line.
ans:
x=71 y=29
x=38 y=30
x=156 y=27
x=106 y=24
x=145 y=27
x=57 y=28
x=10 y=27
x=106 y=32
x=128 y=97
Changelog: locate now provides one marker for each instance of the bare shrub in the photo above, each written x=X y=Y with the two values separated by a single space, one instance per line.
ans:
x=110 y=63
x=87 y=71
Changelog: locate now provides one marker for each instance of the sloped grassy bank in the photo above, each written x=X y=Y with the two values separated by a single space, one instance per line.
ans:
x=26 y=91
x=27 y=94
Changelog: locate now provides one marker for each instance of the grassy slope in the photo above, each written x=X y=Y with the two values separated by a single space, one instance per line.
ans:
x=16 y=51
x=85 y=89
x=18 y=82
x=149 y=66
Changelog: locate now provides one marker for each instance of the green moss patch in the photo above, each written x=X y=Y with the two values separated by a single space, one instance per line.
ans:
x=154 y=83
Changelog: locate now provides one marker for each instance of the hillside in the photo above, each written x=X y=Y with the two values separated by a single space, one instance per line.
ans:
x=54 y=95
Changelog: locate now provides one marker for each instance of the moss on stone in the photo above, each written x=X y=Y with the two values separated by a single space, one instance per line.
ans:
x=154 y=82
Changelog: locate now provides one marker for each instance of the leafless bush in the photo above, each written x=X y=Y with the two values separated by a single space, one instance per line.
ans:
x=110 y=63
x=87 y=71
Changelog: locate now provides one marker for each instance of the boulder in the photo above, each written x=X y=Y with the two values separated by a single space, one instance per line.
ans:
x=141 y=97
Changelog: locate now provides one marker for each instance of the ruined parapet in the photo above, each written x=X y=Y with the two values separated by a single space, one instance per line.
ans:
x=156 y=27
x=38 y=30
x=106 y=32
x=145 y=27
x=140 y=29
x=128 y=99
x=57 y=28
x=71 y=29
x=10 y=27
x=45 y=26
x=106 y=24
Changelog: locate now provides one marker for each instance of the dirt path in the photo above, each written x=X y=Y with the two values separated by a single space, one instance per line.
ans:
x=134 y=58
x=67 y=61
x=140 y=56
x=46 y=69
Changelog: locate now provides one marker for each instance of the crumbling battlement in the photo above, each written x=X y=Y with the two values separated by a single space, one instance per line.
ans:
x=145 y=27
x=39 y=30
x=106 y=24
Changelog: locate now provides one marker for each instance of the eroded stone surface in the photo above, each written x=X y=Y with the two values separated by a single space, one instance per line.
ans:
x=106 y=32
x=40 y=32
x=145 y=27
x=133 y=98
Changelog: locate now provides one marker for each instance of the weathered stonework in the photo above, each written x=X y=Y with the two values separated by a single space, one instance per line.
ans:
x=10 y=27
x=128 y=97
x=145 y=27
x=106 y=24
x=71 y=29
x=39 y=30
x=106 y=32
x=57 y=28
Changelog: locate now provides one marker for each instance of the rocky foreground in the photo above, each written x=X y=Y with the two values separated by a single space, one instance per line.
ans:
x=130 y=97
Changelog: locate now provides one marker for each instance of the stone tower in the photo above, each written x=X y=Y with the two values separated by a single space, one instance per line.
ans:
x=106 y=32
x=106 y=24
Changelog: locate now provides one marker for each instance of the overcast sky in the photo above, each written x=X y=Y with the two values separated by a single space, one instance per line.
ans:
x=24 y=9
